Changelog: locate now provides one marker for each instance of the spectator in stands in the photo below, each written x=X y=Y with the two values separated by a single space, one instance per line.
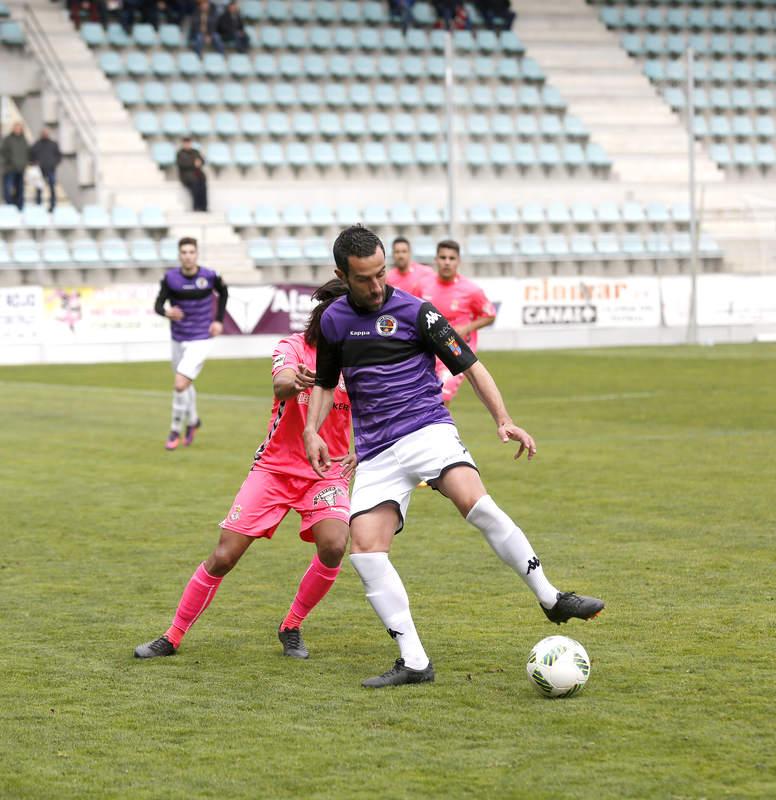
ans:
x=148 y=9
x=191 y=173
x=230 y=27
x=451 y=15
x=401 y=13
x=96 y=10
x=203 y=31
x=45 y=153
x=15 y=155
x=497 y=14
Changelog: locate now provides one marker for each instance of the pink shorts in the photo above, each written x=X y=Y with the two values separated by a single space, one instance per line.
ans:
x=266 y=497
x=450 y=383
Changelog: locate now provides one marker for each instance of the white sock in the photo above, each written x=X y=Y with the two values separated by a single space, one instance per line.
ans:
x=386 y=592
x=179 y=407
x=512 y=547
x=193 y=414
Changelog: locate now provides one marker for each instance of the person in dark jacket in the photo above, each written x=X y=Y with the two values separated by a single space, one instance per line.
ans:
x=203 y=31
x=45 y=153
x=191 y=174
x=15 y=155
x=231 y=28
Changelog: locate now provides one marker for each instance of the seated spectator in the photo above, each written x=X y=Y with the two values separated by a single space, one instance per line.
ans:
x=401 y=13
x=451 y=15
x=45 y=153
x=230 y=27
x=148 y=10
x=14 y=155
x=203 y=31
x=192 y=176
x=95 y=10
x=497 y=14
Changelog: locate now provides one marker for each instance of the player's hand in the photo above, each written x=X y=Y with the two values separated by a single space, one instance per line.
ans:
x=348 y=464
x=305 y=379
x=216 y=328
x=508 y=432
x=175 y=313
x=317 y=453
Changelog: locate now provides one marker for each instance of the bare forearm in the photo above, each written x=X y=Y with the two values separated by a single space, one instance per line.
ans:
x=486 y=390
x=321 y=401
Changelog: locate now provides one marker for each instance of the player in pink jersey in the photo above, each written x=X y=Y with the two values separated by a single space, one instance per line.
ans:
x=461 y=302
x=282 y=479
x=406 y=274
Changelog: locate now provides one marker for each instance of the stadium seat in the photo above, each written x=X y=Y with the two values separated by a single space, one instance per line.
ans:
x=349 y=154
x=35 y=217
x=402 y=215
x=375 y=214
x=190 y=64
x=271 y=155
x=163 y=154
x=298 y=155
x=93 y=34
x=531 y=246
x=375 y=154
x=607 y=244
x=114 y=251
x=278 y=124
x=266 y=216
x=155 y=93
x=163 y=65
x=321 y=216
x=324 y=155
x=56 y=251
x=261 y=250
x=144 y=35
x=583 y=214
x=181 y=94
x=316 y=250
x=65 y=218
x=288 y=250
x=25 y=252
x=85 y=251
x=506 y=214
x=481 y=214
x=234 y=95
x=478 y=246
x=239 y=217
x=582 y=245
x=170 y=36
x=429 y=216
x=504 y=245
x=259 y=95
x=144 y=251
x=111 y=64
x=200 y=124
x=128 y=93
x=244 y=154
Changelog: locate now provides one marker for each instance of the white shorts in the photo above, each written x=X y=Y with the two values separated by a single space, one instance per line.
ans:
x=188 y=358
x=390 y=476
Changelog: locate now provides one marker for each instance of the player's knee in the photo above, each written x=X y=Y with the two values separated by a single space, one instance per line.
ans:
x=331 y=553
x=221 y=561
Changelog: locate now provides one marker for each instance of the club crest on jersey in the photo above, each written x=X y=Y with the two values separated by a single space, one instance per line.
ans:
x=328 y=496
x=455 y=348
x=387 y=325
x=201 y=283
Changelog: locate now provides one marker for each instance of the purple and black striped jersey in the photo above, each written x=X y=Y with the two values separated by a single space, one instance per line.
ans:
x=194 y=296
x=387 y=360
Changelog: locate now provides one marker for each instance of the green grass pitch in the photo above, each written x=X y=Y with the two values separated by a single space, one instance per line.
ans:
x=654 y=488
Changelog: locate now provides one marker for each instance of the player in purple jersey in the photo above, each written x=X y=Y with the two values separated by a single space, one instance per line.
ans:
x=189 y=291
x=384 y=342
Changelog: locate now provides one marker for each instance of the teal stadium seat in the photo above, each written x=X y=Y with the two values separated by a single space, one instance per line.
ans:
x=303 y=124
x=525 y=155
x=12 y=34
x=258 y=95
x=375 y=214
x=200 y=124
x=190 y=65
x=320 y=39
x=266 y=217
x=65 y=218
x=278 y=124
x=284 y=94
x=321 y=216
x=115 y=252
x=347 y=214
x=93 y=34
x=264 y=65
x=478 y=246
x=385 y=95
x=506 y=214
x=531 y=246
x=294 y=216
x=402 y=215
x=25 y=252
x=207 y=94
x=112 y=64
x=511 y=44
x=316 y=250
x=296 y=38
x=146 y=123
x=582 y=245
x=504 y=245
x=400 y=155
x=558 y=214
x=86 y=252
x=155 y=94
x=144 y=35
x=288 y=250
x=128 y=93
x=163 y=65
x=261 y=250
x=35 y=217
x=239 y=217
x=116 y=36
x=170 y=36
x=298 y=155
x=163 y=154
x=226 y=124
x=152 y=218
x=144 y=251
x=607 y=245
x=349 y=154
x=583 y=214
x=276 y=10
x=335 y=95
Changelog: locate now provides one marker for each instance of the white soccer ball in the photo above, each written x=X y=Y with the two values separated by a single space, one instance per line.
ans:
x=558 y=666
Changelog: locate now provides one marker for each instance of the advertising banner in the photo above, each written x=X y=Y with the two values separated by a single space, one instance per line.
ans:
x=21 y=313
x=120 y=313
x=281 y=308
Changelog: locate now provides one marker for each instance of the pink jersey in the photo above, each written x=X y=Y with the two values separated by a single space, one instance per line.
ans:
x=283 y=449
x=410 y=280
x=461 y=301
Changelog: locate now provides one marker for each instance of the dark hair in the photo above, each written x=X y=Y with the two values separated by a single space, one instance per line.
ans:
x=449 y=244
x=187 y=240
x=400 y=240
x=325 y=295
x=355 y=241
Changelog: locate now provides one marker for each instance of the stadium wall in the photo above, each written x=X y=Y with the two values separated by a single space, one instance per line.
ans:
x=48 y=325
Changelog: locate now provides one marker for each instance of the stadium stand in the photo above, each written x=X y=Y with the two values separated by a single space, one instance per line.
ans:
x=565 y=156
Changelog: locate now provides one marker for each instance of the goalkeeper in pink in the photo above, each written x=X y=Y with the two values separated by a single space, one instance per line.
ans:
x=280 y=480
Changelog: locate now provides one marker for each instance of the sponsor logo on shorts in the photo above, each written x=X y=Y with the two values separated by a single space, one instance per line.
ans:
x=455 y=348
x=387 y=325
x=328 y=496
x=431 y=318
x=201 y=283
x=234 y=514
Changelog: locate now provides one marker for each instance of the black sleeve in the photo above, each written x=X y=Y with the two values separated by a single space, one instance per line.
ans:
x=161 y=298
x=328 y=363
x=223 y=296
x=442 y=340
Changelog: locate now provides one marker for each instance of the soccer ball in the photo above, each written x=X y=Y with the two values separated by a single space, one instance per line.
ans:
x=558 y=666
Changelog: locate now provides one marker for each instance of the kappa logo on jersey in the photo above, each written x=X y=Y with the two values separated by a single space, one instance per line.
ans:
x=455 y=348
x=278 y=360
x=201 y=283
x=431 y=318
x=235 y=513
x=328 y=496
x=387 y=325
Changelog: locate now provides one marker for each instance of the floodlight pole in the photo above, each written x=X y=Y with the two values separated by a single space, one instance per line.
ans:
x=692 y=321
x=449 y=123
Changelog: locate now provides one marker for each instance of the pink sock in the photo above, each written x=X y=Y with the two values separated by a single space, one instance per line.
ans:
x=315 y=583
x=199 y=591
